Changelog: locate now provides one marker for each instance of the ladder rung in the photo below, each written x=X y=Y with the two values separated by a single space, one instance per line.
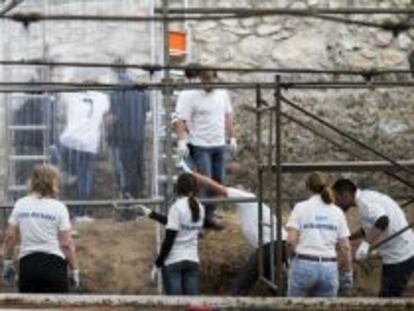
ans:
x=17 y=188
x=28 y=157
x=27 y=127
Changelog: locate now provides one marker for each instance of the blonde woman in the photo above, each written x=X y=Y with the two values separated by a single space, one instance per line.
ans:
x=315 y=227
x=46 y=246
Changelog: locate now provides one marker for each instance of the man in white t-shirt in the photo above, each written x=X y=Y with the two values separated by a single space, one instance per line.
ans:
x=380 y=217
x=81 y=137
x=203 y=119
x=248 y=214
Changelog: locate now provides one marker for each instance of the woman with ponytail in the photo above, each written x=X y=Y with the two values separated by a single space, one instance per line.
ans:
x=178 y=257
x=315 y=227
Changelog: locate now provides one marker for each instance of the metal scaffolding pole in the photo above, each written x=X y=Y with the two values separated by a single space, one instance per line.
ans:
x=151 y=68
x=347 y=136
x=278 y=158
x=290 y=11
x=260 y=177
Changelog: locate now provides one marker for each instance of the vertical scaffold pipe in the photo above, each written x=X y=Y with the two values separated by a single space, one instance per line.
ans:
x=279 y=270
x=260 y=177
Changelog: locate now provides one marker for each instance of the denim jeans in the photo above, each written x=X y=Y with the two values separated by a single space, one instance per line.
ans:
x=313 y=279
x=181 y=278
x=79 y=163
x=209 y=161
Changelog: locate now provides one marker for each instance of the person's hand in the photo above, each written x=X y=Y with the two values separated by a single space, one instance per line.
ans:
x=233 y=145
x=362 y=251
x=9 y=271
x=185 y=167
x=74 y=278
x=155 y=271
x=182 y=148
x=143 y=210
x=347 y=283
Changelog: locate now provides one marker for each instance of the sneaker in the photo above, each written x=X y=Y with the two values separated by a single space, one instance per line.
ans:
x=85 y=218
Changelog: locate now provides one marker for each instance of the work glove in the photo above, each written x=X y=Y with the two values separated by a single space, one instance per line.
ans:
x=155 y=272
x=9 y=272
x=185 y=167
x=362 y=251
x=347 y=283
x=74 y=278
x=182 y=148
x=233 y=145
x=143 y=210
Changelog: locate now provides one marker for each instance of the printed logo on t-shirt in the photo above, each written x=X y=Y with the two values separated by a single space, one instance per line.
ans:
x=37 y=215
x=190 y=227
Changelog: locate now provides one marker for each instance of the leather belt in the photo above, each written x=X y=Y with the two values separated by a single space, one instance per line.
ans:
x=315 y=258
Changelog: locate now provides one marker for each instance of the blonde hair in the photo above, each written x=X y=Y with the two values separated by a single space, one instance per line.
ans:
x=44 y=181
x=318 y=183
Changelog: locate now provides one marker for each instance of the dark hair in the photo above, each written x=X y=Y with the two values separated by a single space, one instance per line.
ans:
x=318 y=183
x=193 y=70
x=187 y=187
x=344 y=185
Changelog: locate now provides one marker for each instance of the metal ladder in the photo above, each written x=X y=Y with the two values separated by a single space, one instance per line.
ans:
x=28 y=138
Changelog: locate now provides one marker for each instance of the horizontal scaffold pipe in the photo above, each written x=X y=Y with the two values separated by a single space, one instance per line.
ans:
x=149 y=201
x=289 y=11
x=346 y=166
x=59 y=87
x=369 y=73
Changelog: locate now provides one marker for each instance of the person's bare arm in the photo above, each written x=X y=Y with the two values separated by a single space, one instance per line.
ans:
x=358 y=234
x=346 y=252
x=10 y=241
x=229 y=125
x=68 y=248
x=210 y=184
x=292 y=239
x=181 y=129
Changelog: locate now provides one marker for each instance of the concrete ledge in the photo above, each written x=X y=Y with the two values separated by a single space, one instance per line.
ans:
x=161 y=302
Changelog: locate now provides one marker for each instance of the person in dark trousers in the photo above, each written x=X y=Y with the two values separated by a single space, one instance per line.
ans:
x=178 y=258
x=380 y=218
x=46 y=247
x=126 y=123
x=248 y=215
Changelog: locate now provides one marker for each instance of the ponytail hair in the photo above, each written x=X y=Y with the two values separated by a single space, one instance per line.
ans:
x=187 y=187
x=318 y=183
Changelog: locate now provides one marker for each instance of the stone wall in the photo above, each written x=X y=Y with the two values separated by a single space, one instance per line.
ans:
x=383 y=118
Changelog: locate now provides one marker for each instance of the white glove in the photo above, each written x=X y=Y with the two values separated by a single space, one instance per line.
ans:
x=233 y=145
x=9 y=272
x=182 y=148
x=184 y=166
x=74 y=278
x=154 y=274
x=362 y=251
x=143 y=210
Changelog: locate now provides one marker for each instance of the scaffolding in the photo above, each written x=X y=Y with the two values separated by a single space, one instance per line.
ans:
x=165 y=15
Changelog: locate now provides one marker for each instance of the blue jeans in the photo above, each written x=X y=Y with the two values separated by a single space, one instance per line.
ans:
x=78 y=163
x=209 y=161
x=313 y=279
x=181 y=278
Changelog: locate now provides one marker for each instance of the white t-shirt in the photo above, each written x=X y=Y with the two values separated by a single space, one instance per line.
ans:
x=248 y=214
x=39 y=221
x=204 y=113
x=186 y=242
x=371 y=206
x=84 y=113
x=320 y=227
